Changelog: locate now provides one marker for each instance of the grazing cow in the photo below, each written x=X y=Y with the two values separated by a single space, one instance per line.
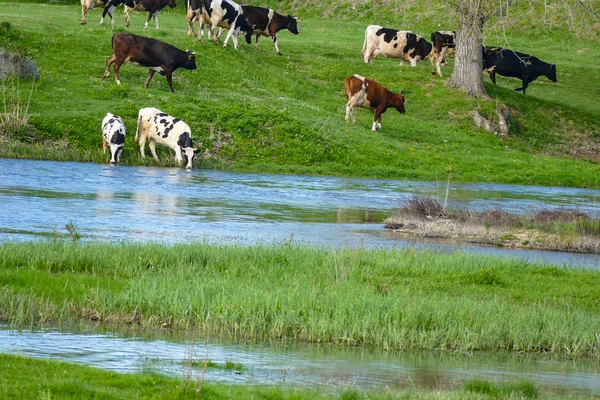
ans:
x=517 y=65
x=153 y=7
x=113 y=136
x=267 y=22
x=394 y=44
x=159 y=56
x=87 y=5
x=157 y=127
x=109 y=10
x=443 y=43
x=228 y=14
x=366 y=93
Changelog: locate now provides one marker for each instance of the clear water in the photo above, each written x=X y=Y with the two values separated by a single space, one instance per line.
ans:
x=324 y=367
x=171 y=205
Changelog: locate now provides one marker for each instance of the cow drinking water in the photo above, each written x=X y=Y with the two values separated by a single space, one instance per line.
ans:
x=155 y=126
x=113 y=136
x=366 y=93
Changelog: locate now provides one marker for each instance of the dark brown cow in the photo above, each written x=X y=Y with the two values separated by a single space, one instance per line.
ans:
x=366 y=93
x=267 y=22
x=159 y=56
x=152 y=6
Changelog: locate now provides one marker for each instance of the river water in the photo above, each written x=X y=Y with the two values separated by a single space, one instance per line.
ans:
x=325 y=367
x=171 y=205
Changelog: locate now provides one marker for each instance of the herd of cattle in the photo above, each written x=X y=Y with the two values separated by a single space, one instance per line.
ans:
x=164 y=58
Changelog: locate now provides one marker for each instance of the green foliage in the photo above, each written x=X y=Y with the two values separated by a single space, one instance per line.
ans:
x=522 y=389
x=256 y=111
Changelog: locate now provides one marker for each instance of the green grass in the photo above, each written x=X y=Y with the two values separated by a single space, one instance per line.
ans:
x=256 y=111
x=27 y=378
x=388 y=299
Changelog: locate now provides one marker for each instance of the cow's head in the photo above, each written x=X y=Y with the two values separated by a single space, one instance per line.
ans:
x=551 y=73
x=115 y=152
x=292 y=25
x=398 y=103
x=171 y=4
x=190 y=61
x=188 y=149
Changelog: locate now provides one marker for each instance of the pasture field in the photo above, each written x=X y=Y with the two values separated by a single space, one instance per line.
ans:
x=26 y=378
x=397 y=300
x=256 y=111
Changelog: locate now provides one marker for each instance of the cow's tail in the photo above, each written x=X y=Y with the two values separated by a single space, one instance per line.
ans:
x=137 y=130
x=362 y=52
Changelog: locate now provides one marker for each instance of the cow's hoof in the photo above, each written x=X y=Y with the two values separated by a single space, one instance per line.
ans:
x=83 y=22
x=279 y=53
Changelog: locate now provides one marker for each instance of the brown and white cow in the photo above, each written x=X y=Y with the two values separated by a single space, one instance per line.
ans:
x=87 y=5
x=158 y=56
x=155 y=126
x=392 y=43
x=366 y=93
x=153 y=7
x=113 y=136
x=267 y=22
x=443 y=43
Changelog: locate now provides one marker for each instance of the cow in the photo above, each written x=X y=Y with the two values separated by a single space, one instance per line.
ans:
x=109 y=10
x=228 y=14
x=366 y=93
x=153 y=7
x=87 y=5
x=198 y=10
x=155 y=126
x=505 y=62
x=158 y=56
x=113 y=136
x=394 y=44
x=267 y=22
x=443 y=43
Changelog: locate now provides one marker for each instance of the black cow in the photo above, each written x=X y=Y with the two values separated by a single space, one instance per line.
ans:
x=443 y=43
x=152 y=6
x=517 y=65
x=159 y=56
x=267 y=22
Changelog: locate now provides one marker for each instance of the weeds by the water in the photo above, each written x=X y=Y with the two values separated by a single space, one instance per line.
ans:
x=14 y=118
x=389 y=299
x=561 y=229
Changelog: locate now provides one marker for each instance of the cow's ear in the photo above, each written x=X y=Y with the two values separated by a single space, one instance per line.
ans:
x=196 y=151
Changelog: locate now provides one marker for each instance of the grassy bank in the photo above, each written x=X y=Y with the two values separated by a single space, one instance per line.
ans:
x=558 y=230
x=25 y=378
x=256 y=111
x=389 y=299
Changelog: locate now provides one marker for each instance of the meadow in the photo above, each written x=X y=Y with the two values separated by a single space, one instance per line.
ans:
x=256 y=111
x=395 y=300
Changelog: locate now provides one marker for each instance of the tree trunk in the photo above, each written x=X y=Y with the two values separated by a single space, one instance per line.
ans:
x=468 y=64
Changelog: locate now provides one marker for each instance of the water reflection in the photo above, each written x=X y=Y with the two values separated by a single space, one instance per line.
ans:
x=306 y=365
x=172 y=205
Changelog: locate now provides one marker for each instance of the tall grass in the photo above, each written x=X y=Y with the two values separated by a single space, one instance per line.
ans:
x=389 y=299
x=14 y=118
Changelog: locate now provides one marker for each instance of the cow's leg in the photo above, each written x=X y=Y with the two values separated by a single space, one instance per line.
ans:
x=152 y=145
x=84 y=11
x=148 y=20
x=438 y=62
x=110 y=11
x=229 y=35
x=376 y=120
x=117 y=67
x=169 y=76
x=155 y=15
x=492 y=72
x=150 y=75
x=276 y=45
x=190 y=16
x=104 y=145
x=354 y=101
x=119 y=152
x=178 y=156
x=413 y=62
x=109 y=62
x=525 y=81
x=127 y=14
x=143 y=144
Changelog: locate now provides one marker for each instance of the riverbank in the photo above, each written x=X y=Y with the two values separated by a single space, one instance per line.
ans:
x=389 y=299
x=557 y=230
x=27 y=378
x=256 y=111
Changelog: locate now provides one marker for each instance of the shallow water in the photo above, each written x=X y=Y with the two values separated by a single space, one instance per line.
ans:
x=302 y=365
x=171 y=205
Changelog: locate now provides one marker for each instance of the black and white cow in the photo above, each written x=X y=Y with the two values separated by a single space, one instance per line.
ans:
x=153 y=7
x=228 y=14
x=155 y=126
x=109 y=9
x=113 y=136
x=267 y=22
x=394 y=44
x=197 y=10
x=443 y=43
x=505 y=62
